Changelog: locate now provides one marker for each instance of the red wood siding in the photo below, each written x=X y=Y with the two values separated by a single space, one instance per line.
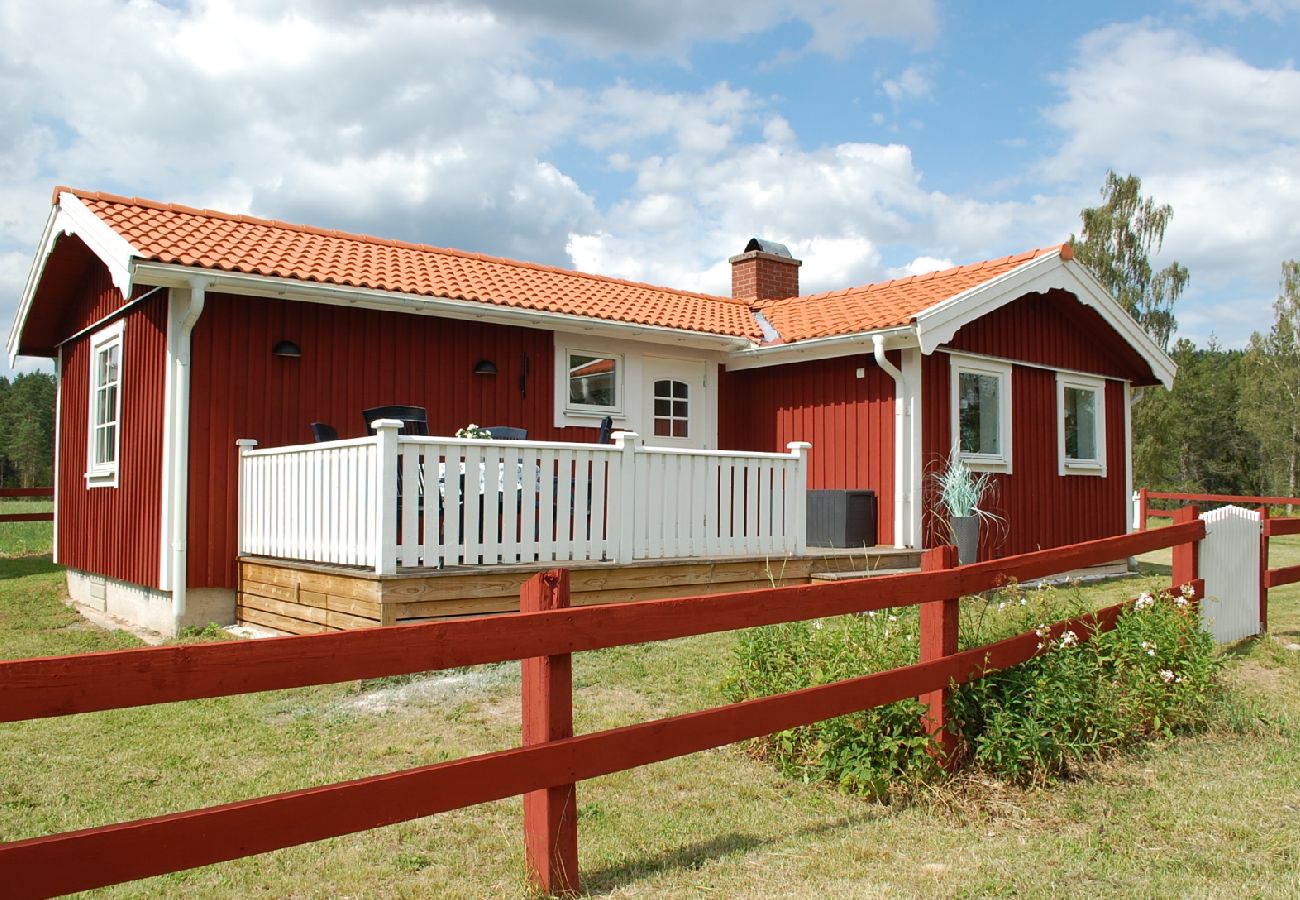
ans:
x=1042 y=509
x=848 y=420
x=114 y=531
x=1054 y=329
x=352 y=359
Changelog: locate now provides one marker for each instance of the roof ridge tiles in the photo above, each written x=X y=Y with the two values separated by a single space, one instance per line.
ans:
x=373 y=240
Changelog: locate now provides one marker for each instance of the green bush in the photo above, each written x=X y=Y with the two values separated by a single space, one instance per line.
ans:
x=1082 y=696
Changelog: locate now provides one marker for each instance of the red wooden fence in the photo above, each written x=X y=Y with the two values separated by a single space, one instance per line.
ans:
x=552 y=759
x=6 y=493
x=1145 y=497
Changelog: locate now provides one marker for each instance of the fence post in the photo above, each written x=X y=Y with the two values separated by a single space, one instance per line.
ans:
x=799 y=449
x=383 y=498
x=1263 y=569
x=551 y=814
x=1186 y=557
x=241 y=492
x=1143 y=508
x=626 y=442
x=939 y=620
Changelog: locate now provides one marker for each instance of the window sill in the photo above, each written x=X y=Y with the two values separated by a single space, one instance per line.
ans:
x=985 y=464
x=1094 y=470
x=101 y=479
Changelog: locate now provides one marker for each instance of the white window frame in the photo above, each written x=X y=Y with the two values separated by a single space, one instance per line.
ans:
x=104 y=474
x=983 y=462
x=585 y=410
x=1094 y=467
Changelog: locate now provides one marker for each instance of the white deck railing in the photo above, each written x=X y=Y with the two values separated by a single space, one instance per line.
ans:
x=393 y=500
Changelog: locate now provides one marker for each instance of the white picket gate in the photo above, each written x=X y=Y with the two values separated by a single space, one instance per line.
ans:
x=1229 y=564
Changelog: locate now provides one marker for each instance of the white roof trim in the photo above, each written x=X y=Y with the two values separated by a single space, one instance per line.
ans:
x=70 y=216
x=940 y=323
x=754 y=357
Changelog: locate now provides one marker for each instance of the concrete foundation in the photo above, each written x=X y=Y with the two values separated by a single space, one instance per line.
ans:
x=148 y=608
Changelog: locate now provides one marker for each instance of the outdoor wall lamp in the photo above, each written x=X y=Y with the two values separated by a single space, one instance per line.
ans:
x=287 y=349
x=485 y=367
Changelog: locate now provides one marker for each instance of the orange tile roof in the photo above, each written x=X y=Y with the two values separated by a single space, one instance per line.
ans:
x=886 y=304
x=170 y=233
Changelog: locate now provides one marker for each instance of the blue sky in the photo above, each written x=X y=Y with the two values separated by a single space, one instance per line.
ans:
x=650 y=139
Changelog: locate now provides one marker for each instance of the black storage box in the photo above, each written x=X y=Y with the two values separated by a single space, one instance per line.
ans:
x=841 y=518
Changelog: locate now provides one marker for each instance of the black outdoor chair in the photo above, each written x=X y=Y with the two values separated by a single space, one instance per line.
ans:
x=415 y=420
x=507 y=433
x=606 y=435
x=322 y=432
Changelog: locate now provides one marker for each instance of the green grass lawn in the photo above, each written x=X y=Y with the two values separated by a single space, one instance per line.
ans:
x=24 y=538
x=1213 y=815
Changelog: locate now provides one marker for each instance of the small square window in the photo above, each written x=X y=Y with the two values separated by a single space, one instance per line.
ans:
x=981 y=413
x=1081 y=424
x=593 y=382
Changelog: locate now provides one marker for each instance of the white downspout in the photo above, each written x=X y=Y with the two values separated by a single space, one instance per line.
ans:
x=901 y=463
x=181 y=449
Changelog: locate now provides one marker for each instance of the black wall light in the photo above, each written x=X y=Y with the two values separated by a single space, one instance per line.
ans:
x=485 y=367
x=287 y=349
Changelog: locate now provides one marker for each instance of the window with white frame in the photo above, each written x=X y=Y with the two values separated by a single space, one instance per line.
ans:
x=1081 y=424
x=981 y=413
x=595 y=382
x=671 y=408
x=103 y=437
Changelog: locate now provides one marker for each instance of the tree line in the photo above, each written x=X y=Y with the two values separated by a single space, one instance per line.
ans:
x=1231 y=423
x=27 y=430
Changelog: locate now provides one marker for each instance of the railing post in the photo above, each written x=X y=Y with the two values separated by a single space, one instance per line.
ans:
x=626 y=442
x=241 y=488
x=939 y=621
x=551 y=814
x=1186 y=557
x=383 y=499
x=799 y=449
x=1263 y=569
x=1143 y=508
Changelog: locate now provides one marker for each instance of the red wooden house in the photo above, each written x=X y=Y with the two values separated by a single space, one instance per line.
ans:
x=177 y=332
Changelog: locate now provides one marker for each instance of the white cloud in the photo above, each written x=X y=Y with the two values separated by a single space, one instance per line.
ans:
x=1210 y=134
x=1241 y=9
x=920 y=266
x=911 y=84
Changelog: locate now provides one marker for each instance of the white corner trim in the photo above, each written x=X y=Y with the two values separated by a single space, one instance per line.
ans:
x=1093 y=467
x=72 y=217
x=939 y=324
x=1004 y=372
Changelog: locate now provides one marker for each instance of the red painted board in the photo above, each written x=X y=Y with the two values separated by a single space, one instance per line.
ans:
x=27 y=517
x=1281 y=577
x=61 y=685
x=95 y=857
x=6 y=493
x=1280 y=527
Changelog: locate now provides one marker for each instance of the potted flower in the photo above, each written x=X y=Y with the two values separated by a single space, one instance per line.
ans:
x=474 y=433
x=959 y=498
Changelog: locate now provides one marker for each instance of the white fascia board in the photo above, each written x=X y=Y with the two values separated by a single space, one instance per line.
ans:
x=820 y=348
x=938 y=324
x=171 y=275
x=71 y=216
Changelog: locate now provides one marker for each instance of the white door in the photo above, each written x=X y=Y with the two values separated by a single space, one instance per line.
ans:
x=674 y=403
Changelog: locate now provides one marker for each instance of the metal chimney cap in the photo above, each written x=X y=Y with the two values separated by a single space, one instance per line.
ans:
x=766 y=246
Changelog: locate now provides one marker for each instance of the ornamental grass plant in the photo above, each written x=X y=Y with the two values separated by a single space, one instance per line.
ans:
x=1083 y=696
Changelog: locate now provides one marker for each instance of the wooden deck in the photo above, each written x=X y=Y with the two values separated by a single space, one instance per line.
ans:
x=308 y=598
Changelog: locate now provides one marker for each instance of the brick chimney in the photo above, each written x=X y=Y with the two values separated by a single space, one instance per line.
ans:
x=764 y=271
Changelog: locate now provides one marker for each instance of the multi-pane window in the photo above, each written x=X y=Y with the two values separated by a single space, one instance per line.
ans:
x=1081 y=415
x=671 y=408
x=982 y=413
x=593 y=382
x=103 y=437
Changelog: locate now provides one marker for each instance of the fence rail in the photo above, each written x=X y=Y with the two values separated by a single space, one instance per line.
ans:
x=394 y=500
x=552 y=760
x=13 y=493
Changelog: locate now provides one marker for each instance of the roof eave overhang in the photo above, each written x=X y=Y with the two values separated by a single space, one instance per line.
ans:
x=938 y=324
x=252 y=285
x=69 y=216
x=896 y=338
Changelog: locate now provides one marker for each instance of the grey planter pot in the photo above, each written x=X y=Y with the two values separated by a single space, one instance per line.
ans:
x=966 y=535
